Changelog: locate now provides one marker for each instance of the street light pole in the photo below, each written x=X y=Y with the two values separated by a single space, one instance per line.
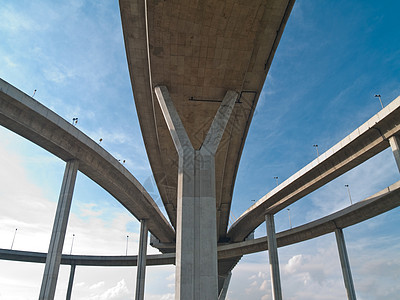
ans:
x=15 y=233
x=73 y=236
x=316 y=147
x=348 y=190
x=380 y=100
x=276 y=180
x=126 y=251
x=290 y=221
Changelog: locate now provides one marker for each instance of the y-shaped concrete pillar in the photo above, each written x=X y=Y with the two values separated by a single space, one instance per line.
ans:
x=273 y=258
x=196 y=228
x=344 y=262
x=141 y=262
x=395 y=145
x=53 y=258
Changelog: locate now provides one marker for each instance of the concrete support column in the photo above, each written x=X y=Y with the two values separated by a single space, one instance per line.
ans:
x=53 y=258
x=70 y=282
x=224 y=291
x=196 y=228
x=344 y=262
x=273 y=258
x=141 y=261
x=395 y=145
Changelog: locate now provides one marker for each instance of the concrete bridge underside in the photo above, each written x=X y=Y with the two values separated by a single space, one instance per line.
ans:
x=198 y=51
x=197 y=69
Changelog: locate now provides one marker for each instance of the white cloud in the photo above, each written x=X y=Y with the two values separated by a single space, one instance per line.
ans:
x=89 y=210
x=293 y=264
x=119 y=291
x=96 y=285
x=171 y=277
x=263 y=286
x=15 y=21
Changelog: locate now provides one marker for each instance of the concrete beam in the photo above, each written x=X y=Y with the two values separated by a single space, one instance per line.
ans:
x=141 y=268
x=345 y=264
x=53 y=259
x=88 y=260
x=273 y=258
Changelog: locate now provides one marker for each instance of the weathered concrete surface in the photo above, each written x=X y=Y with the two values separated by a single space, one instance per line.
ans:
x=199 y=50
x=363 y=143
x=196 y=274
x=30 y=119
x=53 y=259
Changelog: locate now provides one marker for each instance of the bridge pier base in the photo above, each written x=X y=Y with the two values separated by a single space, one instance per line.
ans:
x=196 y=226
x=273 y=258
x=53 y=258
x=344 y=262
x=395 y=145
x=141 y=260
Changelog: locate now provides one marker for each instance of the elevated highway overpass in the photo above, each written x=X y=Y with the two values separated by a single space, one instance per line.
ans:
x=199 y=50
x=196 y=54
x=377 y=204
x=38 y=124
x=25 y=116
x=363 y=143
x=197 y=70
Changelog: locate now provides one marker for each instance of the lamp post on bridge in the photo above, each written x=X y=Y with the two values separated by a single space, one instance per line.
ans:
x=379 y=97
x=316 y=147
x=290 y=221
x=15 y=233
x=348 y=190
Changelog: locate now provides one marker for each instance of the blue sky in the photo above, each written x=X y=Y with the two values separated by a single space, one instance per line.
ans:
x=333 y=57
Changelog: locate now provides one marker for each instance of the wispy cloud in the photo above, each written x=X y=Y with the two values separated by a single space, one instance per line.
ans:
x=96 y=285
x=119 y=291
